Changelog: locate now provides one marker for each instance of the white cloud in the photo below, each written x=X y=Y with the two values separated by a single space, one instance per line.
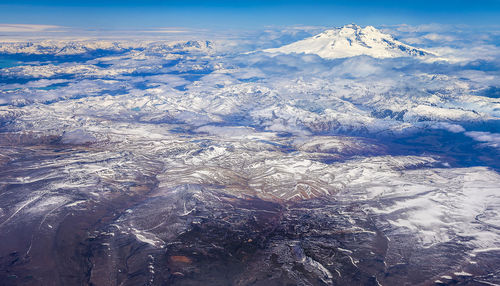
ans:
x=78 y=136
x=439 y=37
x=455 y=128
x=434 y=27
x=489 y=139
x=27 y=28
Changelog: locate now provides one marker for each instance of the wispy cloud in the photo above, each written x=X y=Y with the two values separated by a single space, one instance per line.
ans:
x=167 y=30
x=27 y=28
x=489 y=139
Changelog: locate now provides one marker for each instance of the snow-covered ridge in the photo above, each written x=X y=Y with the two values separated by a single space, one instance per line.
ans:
x=62 y=47
x=349 y=41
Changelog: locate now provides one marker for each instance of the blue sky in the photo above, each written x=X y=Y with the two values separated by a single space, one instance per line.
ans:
x=251 y=14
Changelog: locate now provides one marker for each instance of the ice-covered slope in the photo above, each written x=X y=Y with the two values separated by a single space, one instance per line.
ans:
x=349 y=41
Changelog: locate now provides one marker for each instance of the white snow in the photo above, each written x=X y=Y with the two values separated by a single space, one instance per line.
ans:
x=462 y=273
x=350 y=41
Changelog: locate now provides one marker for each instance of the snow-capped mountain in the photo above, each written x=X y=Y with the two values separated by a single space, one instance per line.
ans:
x=349 y=41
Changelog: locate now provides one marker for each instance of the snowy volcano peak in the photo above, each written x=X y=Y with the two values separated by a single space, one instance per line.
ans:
x=349 y=41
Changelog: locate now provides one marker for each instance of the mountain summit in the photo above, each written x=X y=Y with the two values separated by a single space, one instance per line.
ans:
x=349 y=41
